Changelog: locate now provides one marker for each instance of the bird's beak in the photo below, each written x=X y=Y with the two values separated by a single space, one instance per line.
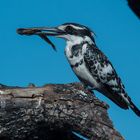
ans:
x=43 y=32
x=40 y=30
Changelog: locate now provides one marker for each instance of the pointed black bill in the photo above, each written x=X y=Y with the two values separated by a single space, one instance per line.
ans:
x=42 y=32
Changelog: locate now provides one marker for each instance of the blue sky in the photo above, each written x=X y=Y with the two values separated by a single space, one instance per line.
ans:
x=26 y=60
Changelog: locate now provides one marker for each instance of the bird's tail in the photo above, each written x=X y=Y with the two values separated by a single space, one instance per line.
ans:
x=134 y=108
x=121 y=100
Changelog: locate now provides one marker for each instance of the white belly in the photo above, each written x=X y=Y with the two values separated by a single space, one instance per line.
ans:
x=82 y=72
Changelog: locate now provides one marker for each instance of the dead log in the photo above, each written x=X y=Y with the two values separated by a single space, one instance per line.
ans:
x=53 y=112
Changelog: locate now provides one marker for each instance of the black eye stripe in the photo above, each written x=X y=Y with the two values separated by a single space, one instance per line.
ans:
x=78 y=32
x=69 y=29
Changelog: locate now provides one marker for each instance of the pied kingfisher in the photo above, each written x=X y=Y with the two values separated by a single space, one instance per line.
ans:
x=88 y=62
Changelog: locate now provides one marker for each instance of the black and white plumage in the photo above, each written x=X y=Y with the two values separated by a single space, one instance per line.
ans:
x=90 y=65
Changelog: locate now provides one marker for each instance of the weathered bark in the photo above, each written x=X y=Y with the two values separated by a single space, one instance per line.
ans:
x=53 y=112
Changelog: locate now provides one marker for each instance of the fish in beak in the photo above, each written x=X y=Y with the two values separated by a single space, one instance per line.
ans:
x=42 y=32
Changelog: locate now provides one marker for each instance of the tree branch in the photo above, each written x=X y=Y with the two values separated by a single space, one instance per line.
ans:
x=53 y=112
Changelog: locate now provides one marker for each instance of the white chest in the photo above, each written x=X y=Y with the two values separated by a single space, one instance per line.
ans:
x=80 y=70
x=71 y=58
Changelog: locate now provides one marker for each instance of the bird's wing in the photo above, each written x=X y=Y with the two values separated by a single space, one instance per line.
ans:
x=110 y=84
x=102 y=70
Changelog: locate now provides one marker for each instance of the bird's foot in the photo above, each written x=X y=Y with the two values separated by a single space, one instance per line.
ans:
x=89 y=90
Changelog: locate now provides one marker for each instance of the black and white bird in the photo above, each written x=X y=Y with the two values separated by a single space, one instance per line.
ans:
x=88 y=62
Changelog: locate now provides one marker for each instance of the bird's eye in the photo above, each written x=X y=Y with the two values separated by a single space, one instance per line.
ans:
x=69 y=29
